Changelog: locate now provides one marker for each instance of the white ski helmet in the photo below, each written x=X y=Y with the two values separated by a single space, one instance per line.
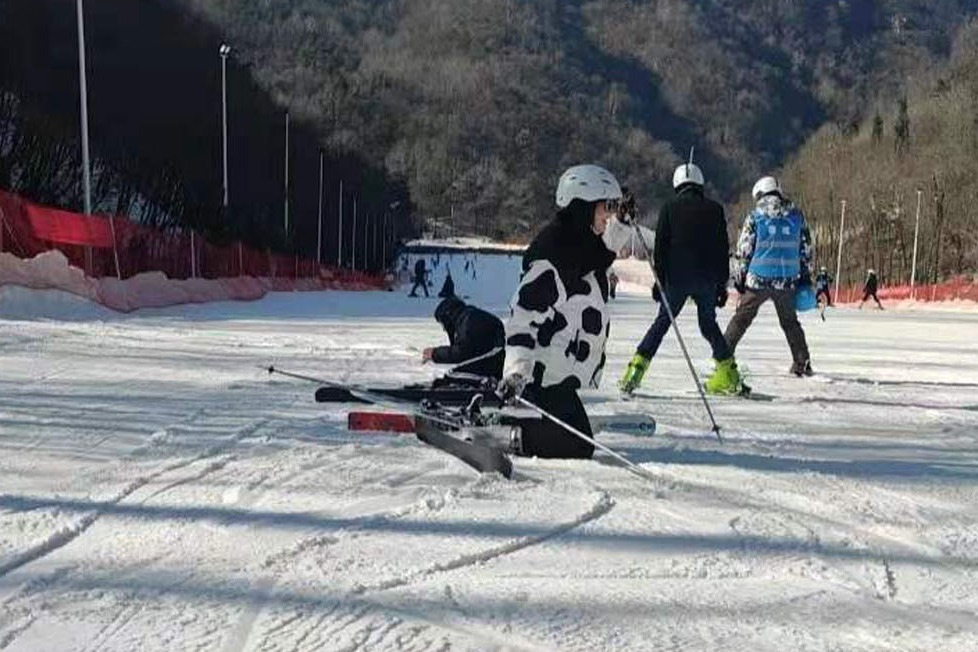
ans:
x=588 y=182
x=766 y=186
x=687 y=173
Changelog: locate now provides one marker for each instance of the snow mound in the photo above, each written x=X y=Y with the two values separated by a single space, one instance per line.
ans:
x=23 y=304
x=47 y=270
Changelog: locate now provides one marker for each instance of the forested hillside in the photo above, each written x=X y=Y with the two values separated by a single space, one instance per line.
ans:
x=465 y=111
x=478 y=104
x=926 y=140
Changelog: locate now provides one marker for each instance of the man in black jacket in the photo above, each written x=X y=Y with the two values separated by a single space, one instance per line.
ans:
x=691 y=260
x=476 y=340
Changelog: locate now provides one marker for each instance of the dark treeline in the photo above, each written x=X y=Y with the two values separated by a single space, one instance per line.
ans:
x=155 y=121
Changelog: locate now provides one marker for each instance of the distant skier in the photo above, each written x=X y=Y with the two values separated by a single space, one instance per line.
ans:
x=612 y=283
x=476 y=338
x=557 y=332
x=691 y=260
x=870 y=288
x=823 y=287
x=774 y=259
x=448 y=287
x=420 y=279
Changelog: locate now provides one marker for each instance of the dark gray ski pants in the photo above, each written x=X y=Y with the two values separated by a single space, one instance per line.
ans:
x=784 y=302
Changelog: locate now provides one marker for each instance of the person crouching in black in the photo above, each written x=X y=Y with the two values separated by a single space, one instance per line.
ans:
x=476 y=340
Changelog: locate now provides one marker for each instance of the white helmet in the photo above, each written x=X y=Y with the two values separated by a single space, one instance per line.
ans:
x=588 y=182
x=766 y=186
x=687 y=173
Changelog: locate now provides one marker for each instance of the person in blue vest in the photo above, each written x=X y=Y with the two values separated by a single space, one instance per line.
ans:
x=774 y=254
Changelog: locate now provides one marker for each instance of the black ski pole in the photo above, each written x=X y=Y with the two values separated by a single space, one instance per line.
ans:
x=675 y=327
x=629 y=465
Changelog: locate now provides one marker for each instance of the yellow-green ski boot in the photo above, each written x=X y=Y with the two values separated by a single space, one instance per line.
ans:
x=725 y=379
x=634 y=373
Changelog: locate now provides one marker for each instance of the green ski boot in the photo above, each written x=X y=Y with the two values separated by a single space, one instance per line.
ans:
x=634 y=374
x=725 y=379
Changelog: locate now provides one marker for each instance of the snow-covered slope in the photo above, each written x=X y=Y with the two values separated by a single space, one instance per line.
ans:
x=486 y=279
x=158 y=491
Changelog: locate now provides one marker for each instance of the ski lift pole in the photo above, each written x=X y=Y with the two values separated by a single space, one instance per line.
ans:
x=675 y=327
x=631 y=466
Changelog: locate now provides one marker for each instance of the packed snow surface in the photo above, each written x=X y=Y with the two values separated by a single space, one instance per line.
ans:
x=159 y=491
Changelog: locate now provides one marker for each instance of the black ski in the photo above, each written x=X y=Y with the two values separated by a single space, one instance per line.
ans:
x=482 y=457
x=414 y=394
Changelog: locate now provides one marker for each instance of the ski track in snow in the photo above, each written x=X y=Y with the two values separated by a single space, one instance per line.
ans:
x=158 y=492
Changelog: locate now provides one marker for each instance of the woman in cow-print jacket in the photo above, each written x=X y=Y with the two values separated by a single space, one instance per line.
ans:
x=555 y=338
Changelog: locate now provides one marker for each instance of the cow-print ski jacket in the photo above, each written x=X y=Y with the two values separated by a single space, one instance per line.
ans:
x=558 y=326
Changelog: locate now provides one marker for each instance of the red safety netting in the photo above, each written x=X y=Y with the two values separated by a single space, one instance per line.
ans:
x=111 y=246
x=956 y=289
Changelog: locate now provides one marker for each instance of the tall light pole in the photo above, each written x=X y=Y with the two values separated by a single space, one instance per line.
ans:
x=286 y=173
x=376 y=236
x=838 y=265
x=83 y=87
x=319 y=231
x=339 y=240
x=366 y=241
x=916 y=235
x=354 y=234
x=383 y=240
x=225 y=51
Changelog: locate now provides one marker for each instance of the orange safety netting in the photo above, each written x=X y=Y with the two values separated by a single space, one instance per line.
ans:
x=107 y=246
x=958 y=288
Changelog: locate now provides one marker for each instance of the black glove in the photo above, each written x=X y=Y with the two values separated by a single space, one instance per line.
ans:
x=510 y=388
x=722 y=296
x=656 y=293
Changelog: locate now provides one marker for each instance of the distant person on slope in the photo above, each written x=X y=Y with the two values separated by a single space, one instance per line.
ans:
x=823 y=286
x=448 y=287
x=555 y=338
x=420 y=278
x=870 y=288
x=823 y=296
x=476 y=339
x=774 y=256
x=691 y=260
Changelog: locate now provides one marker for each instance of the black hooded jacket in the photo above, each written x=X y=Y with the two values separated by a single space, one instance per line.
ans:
x=572 y=247
x=691 y=244
x=472 y=332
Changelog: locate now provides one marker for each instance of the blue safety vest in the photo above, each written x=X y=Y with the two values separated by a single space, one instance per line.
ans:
x=777 y=247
